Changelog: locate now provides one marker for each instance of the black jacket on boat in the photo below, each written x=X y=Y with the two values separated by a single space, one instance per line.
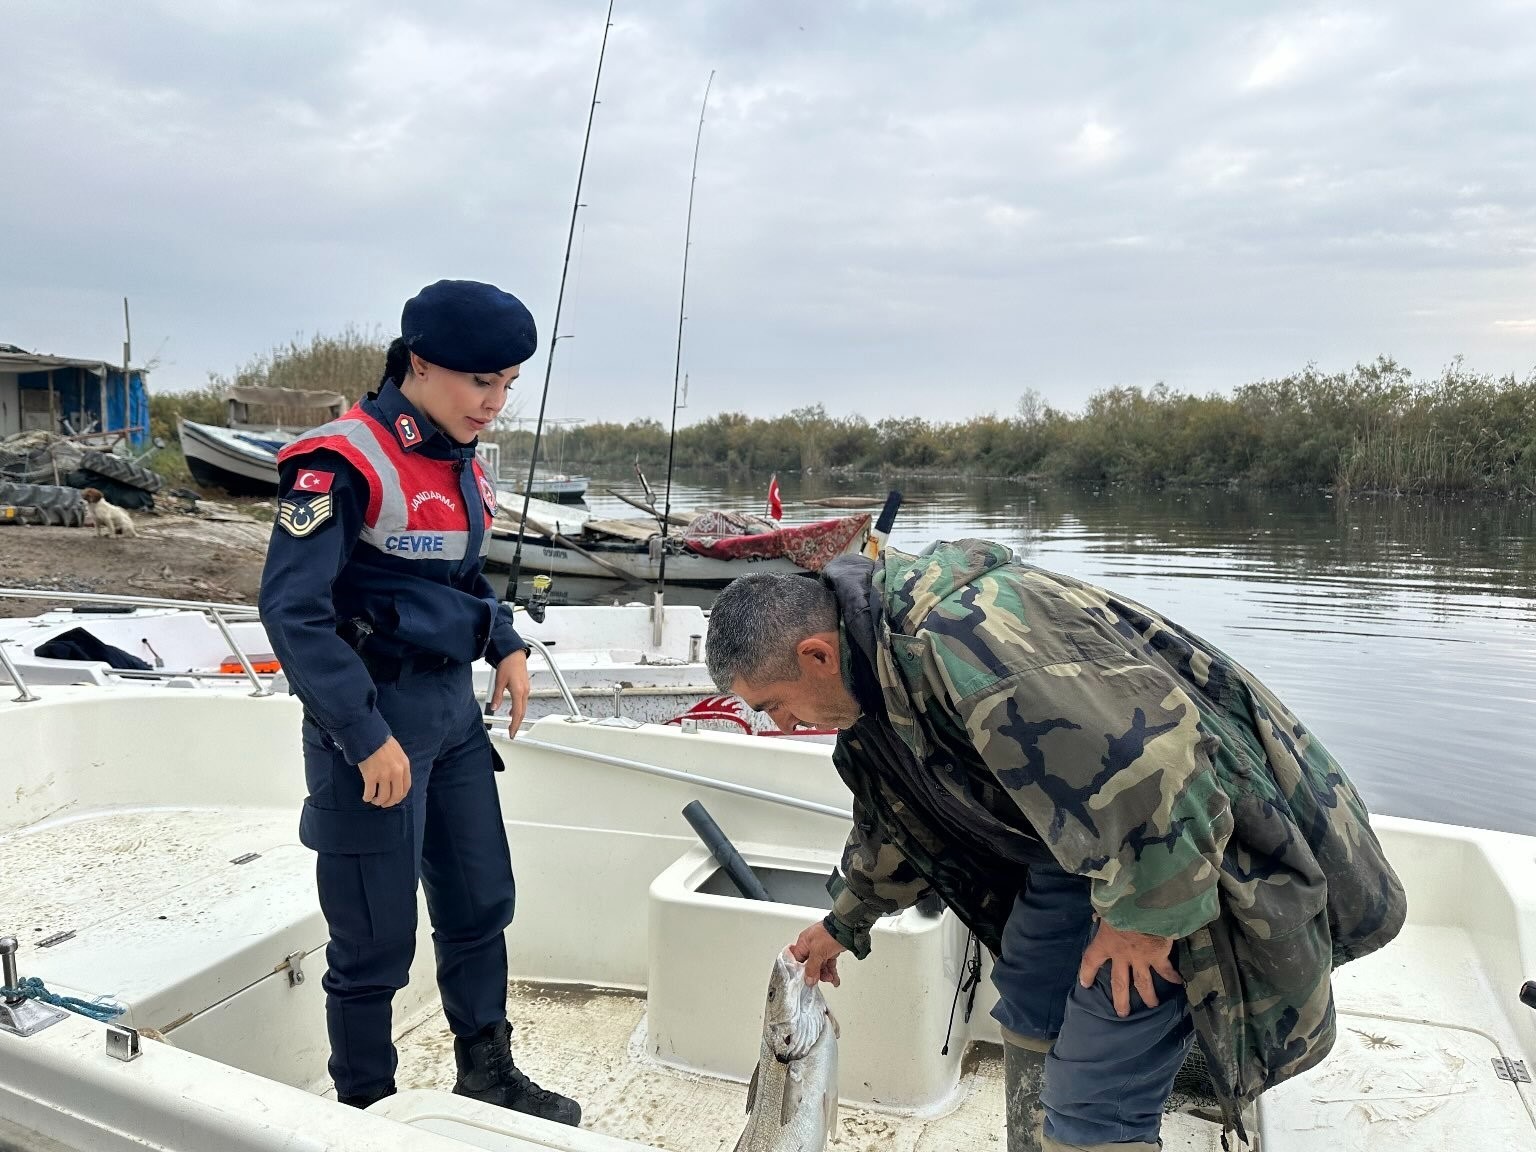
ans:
x=377 y=552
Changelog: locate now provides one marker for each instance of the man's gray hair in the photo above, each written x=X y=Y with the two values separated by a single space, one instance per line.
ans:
x=757 y=622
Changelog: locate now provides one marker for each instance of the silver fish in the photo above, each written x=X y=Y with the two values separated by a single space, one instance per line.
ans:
x=792 y=1100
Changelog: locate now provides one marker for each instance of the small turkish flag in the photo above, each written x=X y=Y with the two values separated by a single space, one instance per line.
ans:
x=313 y=480
x=775 y=505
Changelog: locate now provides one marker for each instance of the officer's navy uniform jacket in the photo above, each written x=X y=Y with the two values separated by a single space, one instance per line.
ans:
x=398 y=573
x=374 y=601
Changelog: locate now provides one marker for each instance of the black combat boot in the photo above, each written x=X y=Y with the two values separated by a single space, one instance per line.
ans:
x=487 y=1072
x=366 y=1099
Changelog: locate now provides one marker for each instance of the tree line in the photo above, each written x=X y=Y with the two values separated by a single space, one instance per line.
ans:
x=1371 y=428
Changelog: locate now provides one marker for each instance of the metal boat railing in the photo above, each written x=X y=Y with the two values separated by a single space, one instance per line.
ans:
x=554 y=670
x=27 y=695
x=222 y=616
x=690 y=778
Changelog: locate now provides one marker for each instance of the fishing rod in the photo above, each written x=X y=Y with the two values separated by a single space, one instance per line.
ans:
x=565 y=268
x=677 y=369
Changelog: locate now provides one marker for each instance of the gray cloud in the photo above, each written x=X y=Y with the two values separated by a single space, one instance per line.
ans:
x=902 y=207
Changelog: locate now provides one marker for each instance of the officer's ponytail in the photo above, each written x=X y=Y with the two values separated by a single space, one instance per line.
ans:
x=397 y=362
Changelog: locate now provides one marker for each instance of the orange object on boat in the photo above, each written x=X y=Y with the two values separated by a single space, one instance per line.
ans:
x=266 y=664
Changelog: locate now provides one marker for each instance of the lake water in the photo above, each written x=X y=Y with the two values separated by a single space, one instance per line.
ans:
x=1401 y=631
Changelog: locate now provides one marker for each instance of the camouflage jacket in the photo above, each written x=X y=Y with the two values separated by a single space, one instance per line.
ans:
x=1138 y=755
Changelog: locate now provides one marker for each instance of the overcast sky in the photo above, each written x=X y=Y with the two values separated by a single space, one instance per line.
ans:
x=919 y=207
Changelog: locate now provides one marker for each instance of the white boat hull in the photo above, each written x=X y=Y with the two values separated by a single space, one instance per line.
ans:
x=608 y=655
x=178 y=644
x=158 y=831
x=560 y=518
x=566 y=490
x=639 y=567
x=218 y=457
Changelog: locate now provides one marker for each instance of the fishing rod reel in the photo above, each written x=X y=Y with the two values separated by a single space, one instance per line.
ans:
x=538 y=599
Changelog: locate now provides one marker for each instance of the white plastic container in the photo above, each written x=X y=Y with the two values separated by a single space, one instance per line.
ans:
x=711 y=952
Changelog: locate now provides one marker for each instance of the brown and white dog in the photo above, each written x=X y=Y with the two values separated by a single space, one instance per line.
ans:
x=108 y=518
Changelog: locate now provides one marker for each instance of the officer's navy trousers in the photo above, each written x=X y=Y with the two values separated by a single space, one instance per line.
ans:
x=1107 y=1077
x=448 y=834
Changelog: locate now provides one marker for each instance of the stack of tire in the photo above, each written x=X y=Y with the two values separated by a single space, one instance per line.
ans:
x=38 y=457
x=44 y=503
x=121 y=481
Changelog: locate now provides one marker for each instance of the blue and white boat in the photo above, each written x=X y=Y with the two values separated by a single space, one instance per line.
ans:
x=241 y=462
x=241 y=458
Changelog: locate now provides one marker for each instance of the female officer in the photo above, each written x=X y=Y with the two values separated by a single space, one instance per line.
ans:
x=375 y=603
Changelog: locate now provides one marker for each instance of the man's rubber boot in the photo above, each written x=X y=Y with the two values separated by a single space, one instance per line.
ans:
x=366 y=1099
x=1023 y=1077
x=488 y=1073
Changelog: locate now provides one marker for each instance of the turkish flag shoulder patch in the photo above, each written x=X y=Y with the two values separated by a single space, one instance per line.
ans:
x=313 y=480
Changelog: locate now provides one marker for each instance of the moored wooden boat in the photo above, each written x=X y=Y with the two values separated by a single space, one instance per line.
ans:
x=240 y=462
x=631 y=549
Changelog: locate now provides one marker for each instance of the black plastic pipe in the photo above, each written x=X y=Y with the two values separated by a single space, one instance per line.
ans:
x=724 y=852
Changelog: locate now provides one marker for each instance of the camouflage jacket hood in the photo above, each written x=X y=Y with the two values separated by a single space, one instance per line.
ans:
x=1142 y=756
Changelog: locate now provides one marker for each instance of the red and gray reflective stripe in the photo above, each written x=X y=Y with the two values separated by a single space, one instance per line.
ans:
x=422 y=544
x=359 y=439
x=354 y=437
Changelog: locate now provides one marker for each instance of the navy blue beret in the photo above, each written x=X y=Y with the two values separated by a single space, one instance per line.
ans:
x=466 y=326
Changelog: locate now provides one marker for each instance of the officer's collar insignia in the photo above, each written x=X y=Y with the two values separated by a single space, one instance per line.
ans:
x=406 y=428
x=301 y=517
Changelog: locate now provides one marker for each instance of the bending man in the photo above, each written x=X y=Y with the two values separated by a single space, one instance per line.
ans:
x=1149 y=842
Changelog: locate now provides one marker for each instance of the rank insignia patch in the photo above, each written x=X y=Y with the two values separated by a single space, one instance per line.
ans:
x=406 y=427
x=301 y=517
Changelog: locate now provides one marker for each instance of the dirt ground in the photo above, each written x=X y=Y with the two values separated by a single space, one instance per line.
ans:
x=213 y=554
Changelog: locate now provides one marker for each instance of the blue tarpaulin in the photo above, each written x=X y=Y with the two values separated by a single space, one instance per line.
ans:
x=78 y=395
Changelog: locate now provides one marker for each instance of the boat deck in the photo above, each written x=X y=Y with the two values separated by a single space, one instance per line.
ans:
x=185 y=914
x=584 y=1042
x=71 y=872
x=590 y=1044
x=1418 y=1027
x=154 y=897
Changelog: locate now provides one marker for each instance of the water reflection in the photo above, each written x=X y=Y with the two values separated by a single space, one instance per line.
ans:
x=1402 y=631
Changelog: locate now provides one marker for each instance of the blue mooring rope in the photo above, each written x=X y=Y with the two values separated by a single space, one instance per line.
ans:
x=33 y=989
